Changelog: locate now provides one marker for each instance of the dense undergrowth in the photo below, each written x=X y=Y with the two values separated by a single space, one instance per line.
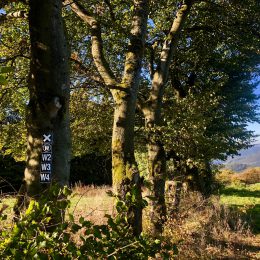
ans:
x=208 y=229
x=224 y=226
x=38 y=235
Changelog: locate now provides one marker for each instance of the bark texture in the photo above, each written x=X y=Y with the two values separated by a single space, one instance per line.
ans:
x=152 y=112
x=48 y=109
x=123 y=160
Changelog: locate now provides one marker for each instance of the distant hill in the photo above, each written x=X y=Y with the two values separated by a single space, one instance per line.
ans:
x=248 y=158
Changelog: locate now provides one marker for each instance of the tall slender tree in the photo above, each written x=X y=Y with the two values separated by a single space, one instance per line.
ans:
x=48 y=83
x=152 y=113
x=124 y=167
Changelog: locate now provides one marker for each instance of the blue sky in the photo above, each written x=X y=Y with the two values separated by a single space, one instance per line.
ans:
x=255 y=126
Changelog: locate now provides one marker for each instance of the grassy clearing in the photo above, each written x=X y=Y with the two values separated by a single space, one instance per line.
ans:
x=216 y=228
x=6 y=204
x=91 y=203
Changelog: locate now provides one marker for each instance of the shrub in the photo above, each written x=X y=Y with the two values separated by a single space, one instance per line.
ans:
x=225 y=176
x=39 y=236
x=98 y=170
x=249 y=176
x=205 y=229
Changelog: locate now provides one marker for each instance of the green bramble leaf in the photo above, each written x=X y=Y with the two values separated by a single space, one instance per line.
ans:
x=4 y=70
x=3 y=81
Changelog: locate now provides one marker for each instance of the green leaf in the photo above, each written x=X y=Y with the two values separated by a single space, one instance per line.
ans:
x=157 y=241
x=144 y=203
x=75 y=228
x=97 y=232
x=81 y=220
x=110 y=193
x=4 y=70
x=3 y=81
x=71 y=218
x=42 y=244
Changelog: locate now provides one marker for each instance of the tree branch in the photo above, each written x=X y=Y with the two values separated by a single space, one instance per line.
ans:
x=110 y=10
x=121 y=248
x=13 y=15
x=84 y=69
x=169 y=47
x=97 y=45
x=151 y=60
x=134 y=55
x=170 y=44
x=13 y=58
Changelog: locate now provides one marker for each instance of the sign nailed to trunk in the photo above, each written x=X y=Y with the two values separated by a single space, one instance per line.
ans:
x=47 y=138
x=46 y=158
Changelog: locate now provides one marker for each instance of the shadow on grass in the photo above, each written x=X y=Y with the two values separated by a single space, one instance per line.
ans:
x=251 y=216
x=254 y=215
x=240 y=192
x=237 y=246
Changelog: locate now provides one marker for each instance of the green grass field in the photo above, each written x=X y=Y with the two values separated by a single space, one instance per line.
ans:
x=245 y=198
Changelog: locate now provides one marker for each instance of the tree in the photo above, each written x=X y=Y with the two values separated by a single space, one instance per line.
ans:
x=152 y=113
x=213 y=34
x=48 y=108
x=124 y=168
x=208 y=125
x=214 y=99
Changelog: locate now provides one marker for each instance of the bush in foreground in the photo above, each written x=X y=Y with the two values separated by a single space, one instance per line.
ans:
x=37 y=235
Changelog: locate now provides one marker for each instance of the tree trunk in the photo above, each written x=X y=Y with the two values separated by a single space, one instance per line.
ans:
x=125 y=171
x=157 y=171
x=157 y=175
x=126 y=176
x=202 y=179
x=48 y=108
x=152 y=113
x=176 y=200
x=124 y=165
x=208 y=180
